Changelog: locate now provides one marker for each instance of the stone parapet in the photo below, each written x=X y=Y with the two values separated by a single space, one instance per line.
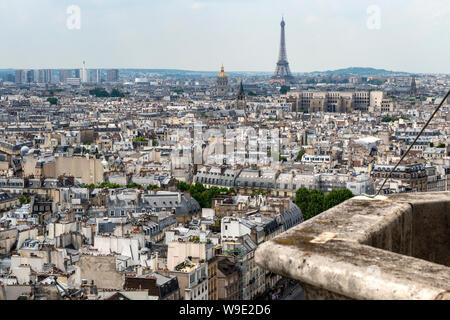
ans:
x=390 y=247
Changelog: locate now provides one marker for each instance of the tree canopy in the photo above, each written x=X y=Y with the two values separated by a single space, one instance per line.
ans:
x=203 y=195
x=99 y=92
x=116 y=93
x=377 y=82
x=284 y=89
x=23 y=199
x=102 y=93
x=300 y=155
x=392 y=119
x=313 y=202
x=140 y=139
x=52 y=100
x=134 y=185
x=103 y=185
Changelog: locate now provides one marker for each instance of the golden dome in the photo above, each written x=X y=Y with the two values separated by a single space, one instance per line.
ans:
x=222 y=73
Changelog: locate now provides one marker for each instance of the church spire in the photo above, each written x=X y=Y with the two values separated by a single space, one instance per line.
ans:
x=241 y=93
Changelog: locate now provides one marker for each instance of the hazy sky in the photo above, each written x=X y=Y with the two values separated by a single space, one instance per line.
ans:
x=410 y=35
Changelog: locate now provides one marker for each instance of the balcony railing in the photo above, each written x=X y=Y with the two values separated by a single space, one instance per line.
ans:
x=390 y=247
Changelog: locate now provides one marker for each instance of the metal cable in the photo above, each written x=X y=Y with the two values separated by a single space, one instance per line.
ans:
x=415 y=140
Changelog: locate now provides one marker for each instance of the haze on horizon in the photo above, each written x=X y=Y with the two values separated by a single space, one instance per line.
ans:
x=242 y=34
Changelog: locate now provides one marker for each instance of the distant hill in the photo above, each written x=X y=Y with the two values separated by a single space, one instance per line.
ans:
x=358 y=71
x=188 y=72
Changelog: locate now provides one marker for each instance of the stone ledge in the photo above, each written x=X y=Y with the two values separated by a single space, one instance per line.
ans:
x=368 y=249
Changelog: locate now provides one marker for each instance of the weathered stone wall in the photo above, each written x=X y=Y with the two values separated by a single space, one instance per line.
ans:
x=431 y=232
x=7 y=240
x=102 y=270
x=89 y=170
x=316 y=293
x=395 y=234
x=14 y=291
x=423 y=232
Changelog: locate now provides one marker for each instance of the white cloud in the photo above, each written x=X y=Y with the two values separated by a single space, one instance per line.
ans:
x=197 y=5
x=311 y=19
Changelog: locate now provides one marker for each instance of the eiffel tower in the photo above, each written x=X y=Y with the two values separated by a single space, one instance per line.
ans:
x=282 y=72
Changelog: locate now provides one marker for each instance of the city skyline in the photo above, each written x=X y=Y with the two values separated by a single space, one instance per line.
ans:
x=239 y=34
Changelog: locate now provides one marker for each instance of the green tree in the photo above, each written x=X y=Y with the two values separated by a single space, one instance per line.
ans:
x=300 y=155
x=134 y=185
x=441 y=145
x=183 y=186
x=335 y=197
x=52 y=100
x=260 y=192
x=117 y=93
x=285 y=89
x=301 y=199
x=315 y=204
x=102 y=185
x=140 y=139
x=23 y=199
x=198 y=187
x=203 y=195
x=376 y=82
x=99 y=93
